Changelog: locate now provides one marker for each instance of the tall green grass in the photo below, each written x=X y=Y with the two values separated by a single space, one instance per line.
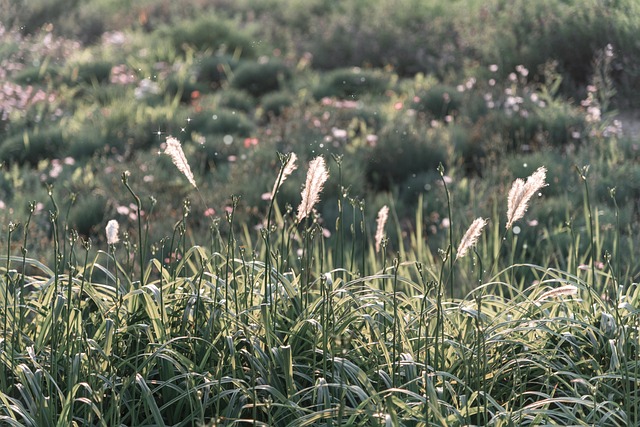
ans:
x=286 y=329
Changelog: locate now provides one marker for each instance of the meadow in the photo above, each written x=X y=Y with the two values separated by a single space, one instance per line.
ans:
x=311 y=213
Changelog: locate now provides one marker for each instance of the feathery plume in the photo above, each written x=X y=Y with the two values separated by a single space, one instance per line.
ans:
x=565 y=290
x=317 y=175
x=471 y=237
x=289 y=167
x=383 y=215
x=112 y=232
x=174 y=150
x=521 y=193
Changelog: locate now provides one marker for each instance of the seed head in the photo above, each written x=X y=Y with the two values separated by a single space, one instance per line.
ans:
x=317 y=175
x=112 y=232
x=521 y=193
x=174 y=150
x=288 y=169
x=470 y=238
x=383 y=214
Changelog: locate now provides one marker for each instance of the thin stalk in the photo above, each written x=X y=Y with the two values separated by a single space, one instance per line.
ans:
x=53 y=218
x=481 y=344
x=583 y=176
x=363 y=231
x=142 y=244
x=5 y=374
x=340 y=220
x=394 y=362
x=32 y=208
x=448 y=195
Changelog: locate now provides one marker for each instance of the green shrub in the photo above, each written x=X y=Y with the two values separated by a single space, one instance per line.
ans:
x=214 y=70
x=259 y=78
x=222 y=122
x=236 y=100
x=568 y=32
x=352 y=83
x=211 y=34
x=32 y=146
x=273 y=104
x=438 y=101
x=90 y=72
x=86 y=143
x=408 y=35
x=36 y=75
x=88 y=213
x=183 y=87
x=403 y=148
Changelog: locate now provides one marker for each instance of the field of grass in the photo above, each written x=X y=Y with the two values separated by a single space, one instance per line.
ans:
x=316 y=213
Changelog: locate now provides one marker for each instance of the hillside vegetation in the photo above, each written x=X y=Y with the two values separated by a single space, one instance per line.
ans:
x=319 y=213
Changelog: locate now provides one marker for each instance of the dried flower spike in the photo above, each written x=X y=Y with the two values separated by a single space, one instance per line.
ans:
x=383 y=215
x=521 y=193
x=317 y=175
x=112 y=232
x=566 y=290
x=289 y=167
x=470 y=238
x=174 y=150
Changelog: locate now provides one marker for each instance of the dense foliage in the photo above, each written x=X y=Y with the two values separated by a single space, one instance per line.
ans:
x=209 y=299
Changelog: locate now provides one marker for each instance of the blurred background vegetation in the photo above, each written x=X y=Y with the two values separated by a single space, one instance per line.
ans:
x=490 y=89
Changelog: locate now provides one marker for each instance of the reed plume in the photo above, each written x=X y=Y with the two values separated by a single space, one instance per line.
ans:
x=566 y=290
x=383 y=215
x=317 y=175
x=289 y=167
x=174 y=150
x=521 y=193
x=470 y=238
x=112 y=229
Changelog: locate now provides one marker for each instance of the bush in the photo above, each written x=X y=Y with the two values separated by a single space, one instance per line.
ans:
x=183 y=87
x=36 y=75
x=352 y=83
x=91 y=72
x=210 y=34
x=261 y=78
x=214 y=70
x=32 y=146
x=408 y=35
x=568 y=32
x=403 y=149
x=438 y=101
x=88 y=214
x=236 y=100
x=222 y=122
x=273 y=104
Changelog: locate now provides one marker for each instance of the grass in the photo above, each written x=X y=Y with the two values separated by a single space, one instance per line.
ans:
x=219 y=305
x=266 y=331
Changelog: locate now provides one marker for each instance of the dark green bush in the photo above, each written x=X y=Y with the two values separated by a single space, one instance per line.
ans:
x=222 y=122
x=236 y=100
x=438 y=101
x=182 y=87
x=260 y=78
x=88 y=213
x=91 y=72
x=352 y=83
x=209 y=33
x=568 y=32
x=32 y=146
x=86 y=143
x=213 y=70
x=36 y=75
x=403 y=148
x=273 y=104
x=410 y=36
